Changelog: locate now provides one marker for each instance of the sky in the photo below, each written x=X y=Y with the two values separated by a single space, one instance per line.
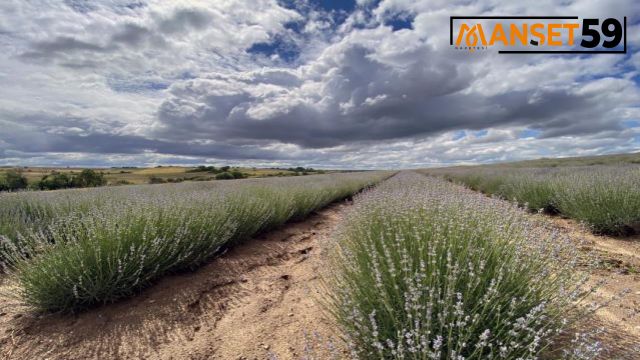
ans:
x=326 y=84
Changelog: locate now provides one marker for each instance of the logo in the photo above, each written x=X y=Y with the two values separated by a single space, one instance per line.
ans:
x=539 y=34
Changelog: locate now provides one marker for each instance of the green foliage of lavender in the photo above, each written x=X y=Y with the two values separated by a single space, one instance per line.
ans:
x=607 y=198
x=78 y=248
x=426 y=269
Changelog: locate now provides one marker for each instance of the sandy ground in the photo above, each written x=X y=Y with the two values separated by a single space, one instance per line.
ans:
x=617 y=271
x=257 y=301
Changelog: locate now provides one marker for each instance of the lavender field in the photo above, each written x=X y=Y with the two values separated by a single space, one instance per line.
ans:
x=426 y=269
x=418 y=266
x=71 y=249
x=605 y=198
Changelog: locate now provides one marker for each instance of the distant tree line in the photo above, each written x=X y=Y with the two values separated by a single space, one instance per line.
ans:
x=228 y=172
x=305 y=171
x=57 y=180
x=222 y=173
x=14 y=180
x=301 y=169
x=210 y=169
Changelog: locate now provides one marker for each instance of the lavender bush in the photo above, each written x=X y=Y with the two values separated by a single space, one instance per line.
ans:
x=606 y=198
x=425 y=269
x=94 y=246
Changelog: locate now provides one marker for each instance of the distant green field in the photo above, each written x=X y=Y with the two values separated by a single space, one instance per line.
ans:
x=117 y=176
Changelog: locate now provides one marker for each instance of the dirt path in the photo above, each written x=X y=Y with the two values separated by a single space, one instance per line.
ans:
x=255 y=302
x=618 y=270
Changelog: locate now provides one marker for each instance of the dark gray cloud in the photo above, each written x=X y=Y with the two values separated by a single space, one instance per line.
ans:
x=61 y=45
x=81 y=6
x=72 y=135
x=132 y=35
x=185 y=20
x=365 y=99
x=154 y=32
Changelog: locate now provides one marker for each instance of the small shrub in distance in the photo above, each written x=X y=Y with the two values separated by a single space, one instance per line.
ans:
x=238 y=174
x=156 y=180
x=122 y=182
x=88 y=178
x=13 y=180
x=225 y=176
x=55 y=181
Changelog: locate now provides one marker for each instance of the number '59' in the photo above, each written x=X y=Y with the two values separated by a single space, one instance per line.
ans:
x=611 y=30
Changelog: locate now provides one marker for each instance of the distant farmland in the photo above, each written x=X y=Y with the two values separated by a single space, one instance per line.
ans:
x=136 y=175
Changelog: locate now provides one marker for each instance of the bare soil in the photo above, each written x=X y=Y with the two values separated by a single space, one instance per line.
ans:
x=257 y=301
x=617 y=276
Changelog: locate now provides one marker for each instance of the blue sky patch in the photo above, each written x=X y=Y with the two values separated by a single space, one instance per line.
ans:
x=528 y=133
x=459 y=134
x=285 y=50
x=480 y=133
x=119 y=85
x=337 y=5
x=400 y=22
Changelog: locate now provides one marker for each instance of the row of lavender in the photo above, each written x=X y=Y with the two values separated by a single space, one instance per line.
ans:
x=606 y=198
x=67 y=250
x=426 y=269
